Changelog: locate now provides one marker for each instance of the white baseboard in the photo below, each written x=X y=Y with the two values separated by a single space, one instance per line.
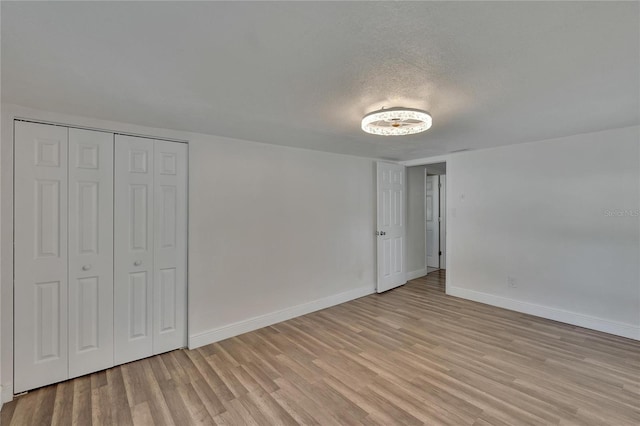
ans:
x=240 y=327
x=594 y=323
x=416 y=274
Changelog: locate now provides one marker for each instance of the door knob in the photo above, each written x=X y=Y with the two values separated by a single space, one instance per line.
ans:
x=137 y=263
x=86 y=267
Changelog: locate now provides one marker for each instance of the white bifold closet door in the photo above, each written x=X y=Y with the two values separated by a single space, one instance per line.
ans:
x=150 y=247
x=63 y=297
x=170 y=246
x=100 y=251
x=40 y=255
x=90 y=251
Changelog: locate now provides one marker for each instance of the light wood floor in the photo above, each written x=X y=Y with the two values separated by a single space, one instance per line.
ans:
x=410 y=356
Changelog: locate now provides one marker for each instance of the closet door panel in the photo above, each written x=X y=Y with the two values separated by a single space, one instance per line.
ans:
x=90 y=251
x=170 y=246
x=133 y=251
x=40 y=255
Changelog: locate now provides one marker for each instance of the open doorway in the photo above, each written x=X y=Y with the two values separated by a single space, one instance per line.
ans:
x=435 y=216
x=426 y=219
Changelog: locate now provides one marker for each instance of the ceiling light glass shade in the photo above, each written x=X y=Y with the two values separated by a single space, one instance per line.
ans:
x=396 y=122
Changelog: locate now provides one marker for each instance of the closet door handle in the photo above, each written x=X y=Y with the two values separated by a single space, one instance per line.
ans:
x=86 y=267
x=137 y=263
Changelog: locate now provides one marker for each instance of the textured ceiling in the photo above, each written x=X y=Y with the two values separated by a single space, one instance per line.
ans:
x=304 y=73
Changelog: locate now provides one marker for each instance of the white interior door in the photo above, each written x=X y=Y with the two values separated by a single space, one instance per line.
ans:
x=433 y=221
x=40 y=255
x=90 y=251
x=170 y=268
x=443 y=221
x=391 y=226
x=133 y=248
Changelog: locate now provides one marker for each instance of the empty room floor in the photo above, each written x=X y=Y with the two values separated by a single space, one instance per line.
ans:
x=410 y=356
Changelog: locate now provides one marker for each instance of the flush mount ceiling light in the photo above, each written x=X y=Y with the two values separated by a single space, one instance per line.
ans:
x=396 y=122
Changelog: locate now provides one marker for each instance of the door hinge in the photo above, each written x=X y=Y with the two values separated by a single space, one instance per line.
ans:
x=440 y=253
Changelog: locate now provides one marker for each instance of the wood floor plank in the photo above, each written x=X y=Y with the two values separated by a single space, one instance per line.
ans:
x=63 y=405
x=24 y=412
x=412 y=355
x=141 y=414
x=307 y=403
x=101 y=406
x=153 y=393
x=197 y=409
x=81 y=414
x=294 y=409
x=236 y=414
x=120 y=409
x=44 y=407
x=179 y=412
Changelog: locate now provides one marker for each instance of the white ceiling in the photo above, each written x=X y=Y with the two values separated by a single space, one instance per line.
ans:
x=303 y=74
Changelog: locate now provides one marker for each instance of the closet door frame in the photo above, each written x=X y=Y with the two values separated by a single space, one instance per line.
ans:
x=10 y=115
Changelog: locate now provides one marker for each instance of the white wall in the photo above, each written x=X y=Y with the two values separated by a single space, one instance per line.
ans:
x=416 y=232
x=274 y=228
x=274 y=232
x=538 y=212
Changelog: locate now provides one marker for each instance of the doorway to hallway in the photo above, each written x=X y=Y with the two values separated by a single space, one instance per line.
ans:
x=426 y=219
x=435 y=218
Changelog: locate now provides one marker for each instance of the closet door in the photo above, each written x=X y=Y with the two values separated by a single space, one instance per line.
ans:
x=40 y=253
x=90 y=251
x=133 y=248
x=170 y=246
